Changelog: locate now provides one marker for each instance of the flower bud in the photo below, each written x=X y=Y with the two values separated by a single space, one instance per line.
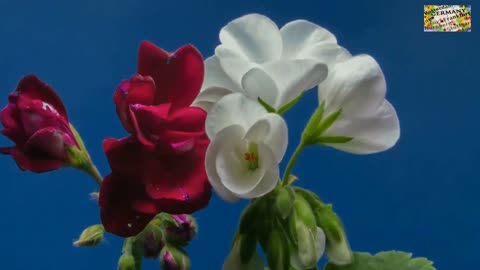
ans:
x=183 y=231
x=174 y=258
x=338 y=248
x=126 y=262
x=153 y=242
x=284 y=202
x=91 y=236
x=234 y=261
x=276 y=248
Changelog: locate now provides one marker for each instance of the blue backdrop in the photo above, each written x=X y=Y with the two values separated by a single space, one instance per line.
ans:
x=421 y=196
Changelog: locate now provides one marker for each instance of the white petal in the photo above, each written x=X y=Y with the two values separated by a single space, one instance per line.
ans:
x=272 y=131
x=216 y=76
x=357 y=86
x=279 y=82
x=257 y=83
x=293 y=77
x=255 y=36
x=233 y=63
x=233 y=109
x=232 y=168
x=325 y=53
x=208 y=97
x=267 y=184
x=300 y=35
x=320 y=241
x=371 y=134
x=232 y=133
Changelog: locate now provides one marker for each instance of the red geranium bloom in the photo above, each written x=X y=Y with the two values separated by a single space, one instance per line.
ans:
x=35 y=119
x=160 y=168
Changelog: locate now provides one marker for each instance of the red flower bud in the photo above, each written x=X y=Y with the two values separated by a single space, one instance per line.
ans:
x=35 y=119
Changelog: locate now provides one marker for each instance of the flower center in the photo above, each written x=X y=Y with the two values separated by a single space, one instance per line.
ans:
x=251 y=156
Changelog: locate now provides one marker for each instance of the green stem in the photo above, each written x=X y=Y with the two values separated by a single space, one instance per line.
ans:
x=292 y=161
x=94 y=173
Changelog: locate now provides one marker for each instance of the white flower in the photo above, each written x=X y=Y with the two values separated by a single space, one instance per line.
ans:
x=258 y=59
x=247 y=144
x=319 y=242
x=357 y=86
x=233 y=261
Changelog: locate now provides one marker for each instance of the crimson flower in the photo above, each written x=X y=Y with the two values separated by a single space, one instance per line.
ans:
x=35 y=119
x=160 y=168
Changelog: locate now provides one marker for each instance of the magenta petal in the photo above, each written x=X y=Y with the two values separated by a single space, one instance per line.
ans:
x=138 y=90
x=118 y=216
x=48 y=143
x=190 y=119
x=178 y=76
x=147 y=119
x=33 y=88
x=28 y=162
x=124 y=155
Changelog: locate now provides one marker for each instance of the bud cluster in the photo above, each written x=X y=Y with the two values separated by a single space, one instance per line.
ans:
x=294 y=235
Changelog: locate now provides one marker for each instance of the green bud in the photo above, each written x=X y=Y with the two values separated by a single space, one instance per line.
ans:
x=276 y=248
x=174 y=258
x=126 y=262
x=338 y=248
x=284 y=201
x=249 y=217
x=304 y=212
x=91 y=236
x=247 y=245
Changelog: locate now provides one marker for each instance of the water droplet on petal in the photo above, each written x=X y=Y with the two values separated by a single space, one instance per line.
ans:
x=129 y=225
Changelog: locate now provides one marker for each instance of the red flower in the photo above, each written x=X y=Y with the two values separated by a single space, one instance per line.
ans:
x=154 y=104
x=160 y=168
x=36 y=121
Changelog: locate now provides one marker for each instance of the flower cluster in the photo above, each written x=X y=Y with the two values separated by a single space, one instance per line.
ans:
x=196 y=125
x=160 y=166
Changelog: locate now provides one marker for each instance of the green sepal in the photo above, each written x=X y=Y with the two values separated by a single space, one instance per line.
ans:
x=164 y=220
x=332 y=139
x=179 y=255
x=327 y=122
x=78 y=139
x=387 y=260
x=290 y=104
x=312 y=124
x=247 y=247
x=304 y=211
x=267 y=107
x=249 y=217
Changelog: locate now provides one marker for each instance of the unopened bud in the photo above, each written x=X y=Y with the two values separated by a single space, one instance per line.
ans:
x=153 y=242
x=183 y=231
x=284 y=202
x=126 y=262
x=174 y=258
x=91 y=236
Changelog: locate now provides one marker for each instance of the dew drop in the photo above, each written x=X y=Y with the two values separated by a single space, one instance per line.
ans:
x=129 y=225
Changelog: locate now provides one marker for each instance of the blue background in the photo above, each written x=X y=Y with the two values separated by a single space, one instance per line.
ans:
x=421 y=196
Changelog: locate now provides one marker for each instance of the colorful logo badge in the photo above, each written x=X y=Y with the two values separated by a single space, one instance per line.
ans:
x=447 y=18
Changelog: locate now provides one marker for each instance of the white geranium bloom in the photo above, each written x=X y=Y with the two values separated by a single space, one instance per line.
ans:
x=247 y=144
x=258 y=59
x=357 y=86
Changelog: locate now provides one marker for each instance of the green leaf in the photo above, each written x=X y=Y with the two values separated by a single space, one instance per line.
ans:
x=289 y=105
x=332 y=139
x=267 y=107
x=387 y=260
